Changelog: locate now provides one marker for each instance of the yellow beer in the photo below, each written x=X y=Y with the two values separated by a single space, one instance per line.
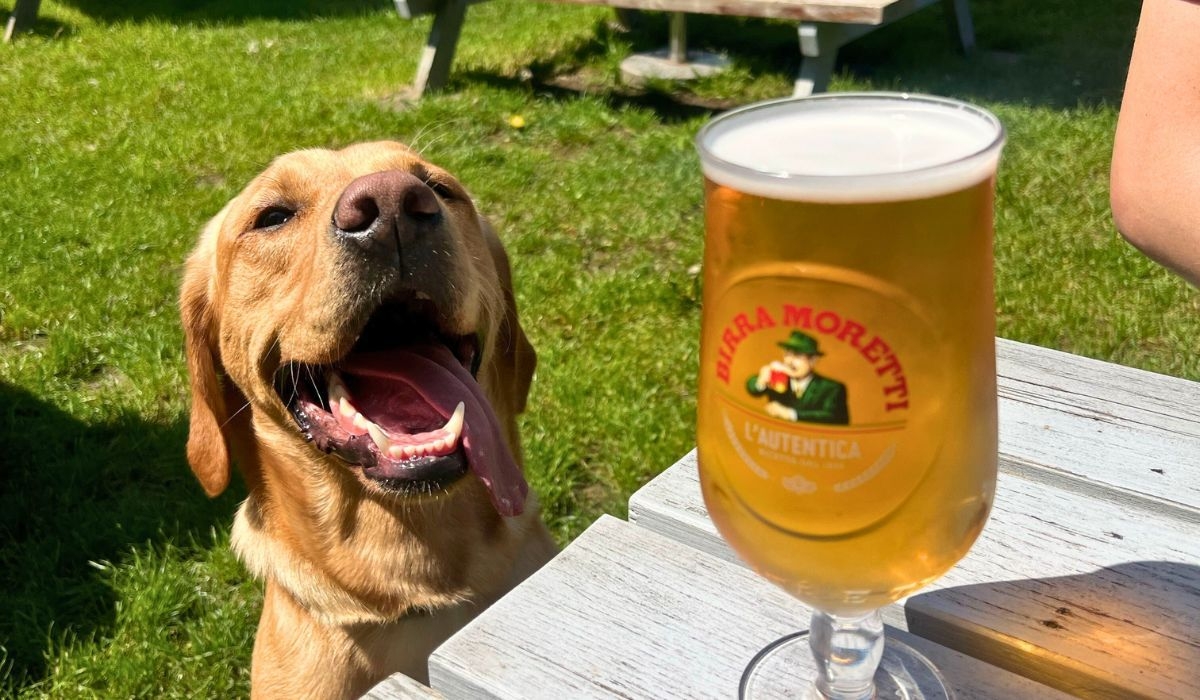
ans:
x=847 y=408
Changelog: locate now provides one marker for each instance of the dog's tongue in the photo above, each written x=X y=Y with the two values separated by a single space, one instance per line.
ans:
x=441 y=380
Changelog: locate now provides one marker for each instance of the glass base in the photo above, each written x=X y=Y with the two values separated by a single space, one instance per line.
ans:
x=786 y=669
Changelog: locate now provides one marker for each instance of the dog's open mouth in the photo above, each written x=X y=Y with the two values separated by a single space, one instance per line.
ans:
x=404 y=407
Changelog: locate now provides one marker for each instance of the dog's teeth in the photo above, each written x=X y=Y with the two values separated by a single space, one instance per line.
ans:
x=454 y=426
x=377 y=436
x=335 y=389
x=339 y=399
x=439 y=442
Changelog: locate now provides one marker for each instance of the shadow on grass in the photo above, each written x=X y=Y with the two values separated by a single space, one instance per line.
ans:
x=571 y=73
x=671 y=107
x=70 y=494
x=1059 y=55
x=220 y=11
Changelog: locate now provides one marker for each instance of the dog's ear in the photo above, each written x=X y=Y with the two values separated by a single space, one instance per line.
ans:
x=207 y=450
x=516 y=359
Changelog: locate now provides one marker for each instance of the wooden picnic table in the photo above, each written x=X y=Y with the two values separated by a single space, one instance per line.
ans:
x=824 y=27
x=1085 y=582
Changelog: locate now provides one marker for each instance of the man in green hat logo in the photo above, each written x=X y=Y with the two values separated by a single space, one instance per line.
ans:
x=794 y=391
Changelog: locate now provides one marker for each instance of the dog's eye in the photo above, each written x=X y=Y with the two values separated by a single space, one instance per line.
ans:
x=273 y=217
x=441 y=189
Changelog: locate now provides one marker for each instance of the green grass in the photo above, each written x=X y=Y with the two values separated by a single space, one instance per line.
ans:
x=128 y=124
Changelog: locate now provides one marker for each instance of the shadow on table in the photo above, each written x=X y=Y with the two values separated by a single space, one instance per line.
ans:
x=1101 y=633
x=73 y=493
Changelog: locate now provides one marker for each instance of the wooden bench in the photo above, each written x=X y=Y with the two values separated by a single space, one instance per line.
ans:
x=824 y=27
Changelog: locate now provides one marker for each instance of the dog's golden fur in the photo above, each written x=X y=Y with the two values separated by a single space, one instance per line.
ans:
x=360 y=581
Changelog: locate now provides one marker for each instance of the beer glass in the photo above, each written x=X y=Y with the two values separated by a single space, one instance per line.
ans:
x=847 y=408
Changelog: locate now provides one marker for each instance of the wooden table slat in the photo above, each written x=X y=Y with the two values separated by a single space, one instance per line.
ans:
x=400 y=687
x=1097 y=597
x=850 y=11
x=626 y=612
x=1101 y=426
x=1057 y=579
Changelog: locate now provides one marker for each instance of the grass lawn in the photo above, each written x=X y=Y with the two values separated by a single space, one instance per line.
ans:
x=127 y=124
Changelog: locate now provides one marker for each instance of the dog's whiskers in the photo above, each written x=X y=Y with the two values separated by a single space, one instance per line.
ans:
x=294 y=370
x=443 y=129
x=312 y=380
x=235 y=415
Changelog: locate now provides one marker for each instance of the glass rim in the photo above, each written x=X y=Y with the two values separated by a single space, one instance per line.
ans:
x=738 y=170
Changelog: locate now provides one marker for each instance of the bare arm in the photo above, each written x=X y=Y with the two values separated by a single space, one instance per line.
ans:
x=1155 y=178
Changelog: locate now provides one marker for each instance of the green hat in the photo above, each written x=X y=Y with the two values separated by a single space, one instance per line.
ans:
x=801 y=344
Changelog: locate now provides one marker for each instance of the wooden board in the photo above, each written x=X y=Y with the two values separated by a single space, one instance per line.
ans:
x=1097 y=598
x=626 y=612
x=1093 y=596
x=853 y=11
x=1078 y=592
x=401 y=687
x=1087 y=424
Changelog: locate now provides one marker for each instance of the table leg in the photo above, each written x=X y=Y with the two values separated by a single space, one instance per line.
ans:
x=677 y=49
x=674 y=62
x=958 y=14
x=819 y=44
x=433 y=70
x=23 y=15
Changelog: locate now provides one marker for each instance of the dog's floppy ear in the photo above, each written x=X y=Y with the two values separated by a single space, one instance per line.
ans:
x=207 y=450
x=516 y=359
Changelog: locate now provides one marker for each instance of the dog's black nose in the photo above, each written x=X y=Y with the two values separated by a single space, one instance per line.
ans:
x=386 y=206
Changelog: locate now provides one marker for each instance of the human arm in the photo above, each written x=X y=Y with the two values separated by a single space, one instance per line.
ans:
x=1155 y=176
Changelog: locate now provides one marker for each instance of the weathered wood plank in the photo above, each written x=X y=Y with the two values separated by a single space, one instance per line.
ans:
x=401 y=687
x=673 y=505
x=625 y=612
x=1100 y=425
x=853 y=11
x=1097 y=598
x=1088 y=594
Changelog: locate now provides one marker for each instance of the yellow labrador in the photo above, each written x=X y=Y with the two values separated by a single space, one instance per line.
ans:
x=354 y=347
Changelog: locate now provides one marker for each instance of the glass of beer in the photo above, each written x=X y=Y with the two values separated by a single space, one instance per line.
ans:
x=847 y=407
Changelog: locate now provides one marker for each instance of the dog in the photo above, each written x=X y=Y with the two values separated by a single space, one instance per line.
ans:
x=353 y=346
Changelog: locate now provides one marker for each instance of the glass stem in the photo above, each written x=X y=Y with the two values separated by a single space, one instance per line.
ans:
x=847 y=651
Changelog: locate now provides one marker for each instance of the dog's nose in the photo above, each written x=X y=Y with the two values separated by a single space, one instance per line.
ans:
x=389 y=204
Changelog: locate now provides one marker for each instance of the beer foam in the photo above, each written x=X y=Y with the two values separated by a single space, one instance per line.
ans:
x=845 y=147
